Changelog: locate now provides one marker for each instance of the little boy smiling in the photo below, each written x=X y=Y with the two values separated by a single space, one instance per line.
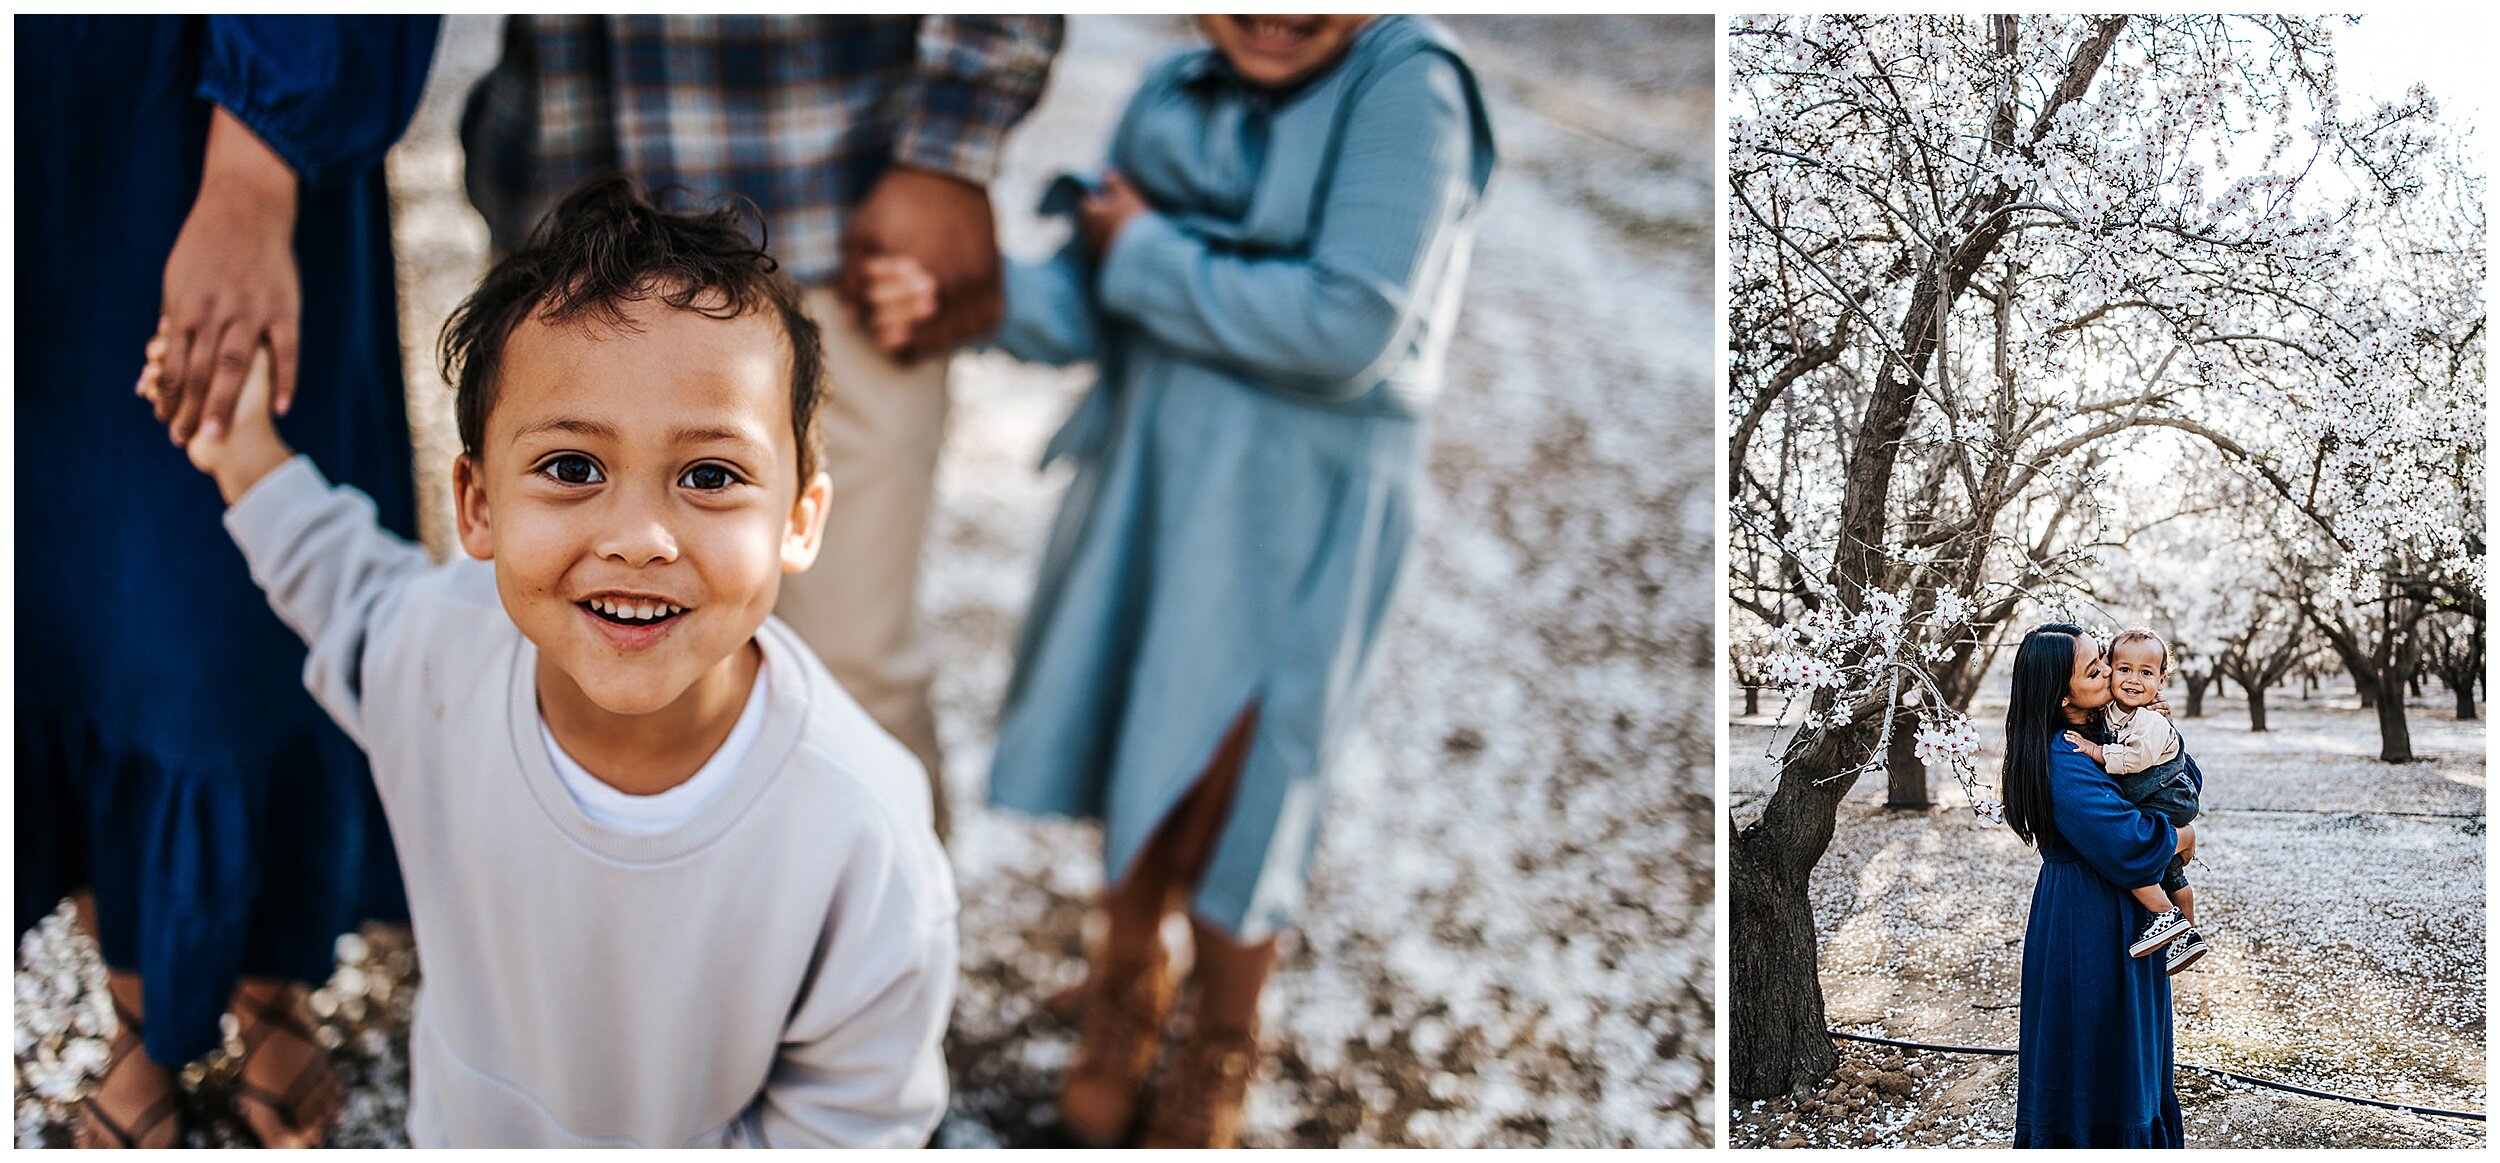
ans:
x=687 y=500
x=672 y=886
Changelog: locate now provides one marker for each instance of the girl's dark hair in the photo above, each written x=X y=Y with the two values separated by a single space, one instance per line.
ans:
x=608 y=244
x=2044 y=669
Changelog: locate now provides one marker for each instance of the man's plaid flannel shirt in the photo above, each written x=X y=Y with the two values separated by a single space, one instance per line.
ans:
x=801 y=114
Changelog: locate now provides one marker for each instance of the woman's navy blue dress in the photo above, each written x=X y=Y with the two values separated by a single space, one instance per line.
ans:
x=2094 y=1068
x=167 y=754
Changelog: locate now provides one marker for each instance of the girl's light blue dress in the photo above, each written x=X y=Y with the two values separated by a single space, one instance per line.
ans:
x=1270 y=340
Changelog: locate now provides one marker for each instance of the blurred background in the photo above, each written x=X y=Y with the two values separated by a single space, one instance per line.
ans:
x=1507 y=940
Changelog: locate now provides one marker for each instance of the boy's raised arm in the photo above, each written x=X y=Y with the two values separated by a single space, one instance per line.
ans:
x=332 y=573
x=330 y=570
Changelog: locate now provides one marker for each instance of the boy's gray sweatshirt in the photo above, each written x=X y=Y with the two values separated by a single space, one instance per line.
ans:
x=777 y=970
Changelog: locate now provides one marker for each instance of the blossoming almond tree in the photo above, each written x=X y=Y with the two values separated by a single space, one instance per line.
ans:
x=2386 y=434
x=1975 y=260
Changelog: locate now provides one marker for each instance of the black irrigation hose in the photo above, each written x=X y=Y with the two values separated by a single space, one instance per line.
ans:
x=1918 y=1045
x=2251 y=1080
x=2350 y=812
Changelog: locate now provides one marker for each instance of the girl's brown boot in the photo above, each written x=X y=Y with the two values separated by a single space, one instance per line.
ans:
x=1126 y=1002
x=1198 y=1106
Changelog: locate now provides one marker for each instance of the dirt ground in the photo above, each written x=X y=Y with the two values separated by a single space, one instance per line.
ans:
x=2344 y=899
x=1507 y=938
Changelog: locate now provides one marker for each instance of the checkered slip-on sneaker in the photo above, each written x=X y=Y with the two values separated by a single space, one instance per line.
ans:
x=2159 y=929
x=2184 y=952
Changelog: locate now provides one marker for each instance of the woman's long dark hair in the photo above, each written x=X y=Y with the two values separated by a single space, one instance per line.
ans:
x=2044 y=669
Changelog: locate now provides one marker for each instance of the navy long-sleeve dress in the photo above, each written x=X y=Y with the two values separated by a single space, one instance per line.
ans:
x=167 y=754
x=2094 y=1068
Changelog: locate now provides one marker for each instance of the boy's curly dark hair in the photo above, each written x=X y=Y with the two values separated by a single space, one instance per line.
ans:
x=609 y=243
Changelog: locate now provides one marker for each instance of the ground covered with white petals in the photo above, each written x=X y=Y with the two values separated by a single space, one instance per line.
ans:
x=2343 y=898
x=1507 y=938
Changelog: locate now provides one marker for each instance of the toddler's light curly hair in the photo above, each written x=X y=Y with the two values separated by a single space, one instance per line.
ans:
x=2142 y=634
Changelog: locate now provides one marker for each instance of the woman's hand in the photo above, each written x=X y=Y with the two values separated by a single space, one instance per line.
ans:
x=2187 y=842
x=230 y=285
x=1101 y=215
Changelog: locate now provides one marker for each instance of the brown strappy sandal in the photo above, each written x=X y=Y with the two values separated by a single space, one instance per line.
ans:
x=128 y=1040
x=273 y=1014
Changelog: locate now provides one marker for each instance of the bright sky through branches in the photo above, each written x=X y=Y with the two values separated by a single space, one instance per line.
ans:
x=2449 y=53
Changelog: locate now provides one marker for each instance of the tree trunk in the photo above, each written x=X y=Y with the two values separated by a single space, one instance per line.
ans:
x=1753 y=701
x=1775 y=1022
x=2465 y=701
x=2257 y=707
x=2196 y=695
x=1776 y=1037
x=2365 y=684
x=2308 y=686
x=2395 y=742
x=1905 y=777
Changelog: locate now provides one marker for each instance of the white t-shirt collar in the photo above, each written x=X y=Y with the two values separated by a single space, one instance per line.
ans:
x=653 y=814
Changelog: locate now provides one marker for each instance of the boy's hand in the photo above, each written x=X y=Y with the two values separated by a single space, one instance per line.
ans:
x=2084 y=745
x=900 y=294
x=236 y=457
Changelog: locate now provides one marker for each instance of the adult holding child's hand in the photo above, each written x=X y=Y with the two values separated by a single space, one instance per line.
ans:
x=945 y=224
x=223 y=175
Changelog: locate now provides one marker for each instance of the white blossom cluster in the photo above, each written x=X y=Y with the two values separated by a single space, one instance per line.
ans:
x=1792 y=668
x=1832 y=648
x=1880 y=648
x=1944 y=742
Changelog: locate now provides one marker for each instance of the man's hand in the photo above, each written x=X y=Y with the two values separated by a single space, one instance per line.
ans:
x=2084 y=745
x=944 y=224
x=231 y=286
x=1100 y=216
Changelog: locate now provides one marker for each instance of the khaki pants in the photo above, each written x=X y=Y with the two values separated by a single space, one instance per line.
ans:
x=879 y=426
